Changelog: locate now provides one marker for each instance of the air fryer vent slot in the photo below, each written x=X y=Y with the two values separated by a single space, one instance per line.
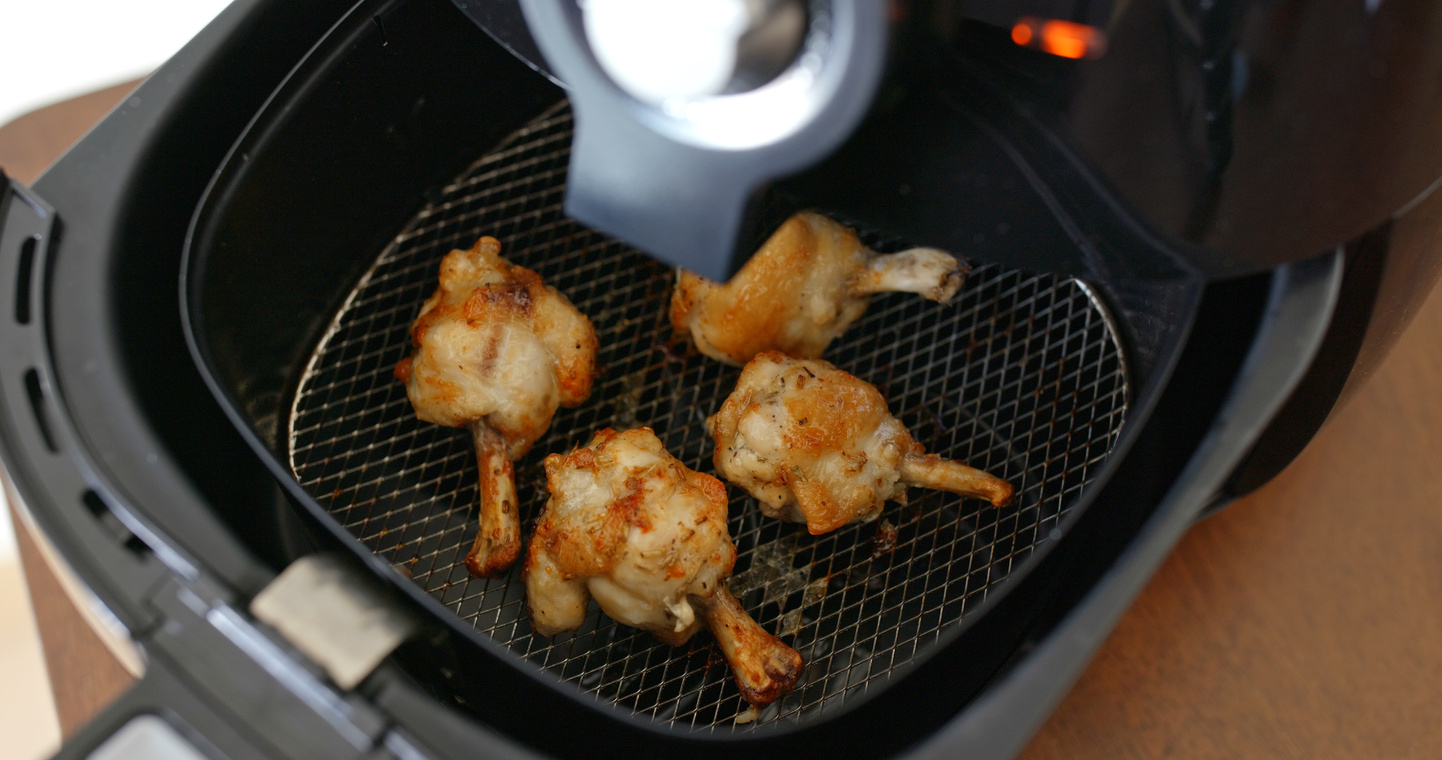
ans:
x=23 y=276
x=1021 y=375
x=36 y=393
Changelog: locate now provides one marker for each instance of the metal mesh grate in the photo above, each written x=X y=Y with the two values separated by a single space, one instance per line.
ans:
x=1021 y=375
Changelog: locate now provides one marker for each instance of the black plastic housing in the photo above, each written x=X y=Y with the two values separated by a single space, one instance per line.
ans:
x=147 y=472
x=343 y=153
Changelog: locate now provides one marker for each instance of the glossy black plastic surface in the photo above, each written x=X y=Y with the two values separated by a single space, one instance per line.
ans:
x=150 y=437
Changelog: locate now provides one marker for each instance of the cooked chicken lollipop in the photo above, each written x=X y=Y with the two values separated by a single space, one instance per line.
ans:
x=817 y=445
x=646 y=536
x=496 y=351
x=806 y=285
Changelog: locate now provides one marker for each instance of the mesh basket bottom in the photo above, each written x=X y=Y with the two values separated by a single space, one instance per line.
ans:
x=1020 y=375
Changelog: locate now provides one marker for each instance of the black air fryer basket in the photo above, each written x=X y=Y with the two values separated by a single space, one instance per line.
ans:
x=301 y=171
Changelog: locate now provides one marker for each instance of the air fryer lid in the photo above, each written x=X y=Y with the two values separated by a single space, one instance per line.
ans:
x=699 y=179
x=298 y=288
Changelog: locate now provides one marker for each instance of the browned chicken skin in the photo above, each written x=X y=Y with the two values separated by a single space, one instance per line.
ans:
x=497 y=351
x=817 y=445
x=808 y=283
x=630 y=525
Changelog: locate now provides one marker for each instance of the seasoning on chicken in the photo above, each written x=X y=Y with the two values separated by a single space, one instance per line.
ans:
x=817 y=445
x=646 y=536
x=496 y=351
x=808 y=283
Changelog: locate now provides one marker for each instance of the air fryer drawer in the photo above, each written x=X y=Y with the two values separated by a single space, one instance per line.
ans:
x=320 y=237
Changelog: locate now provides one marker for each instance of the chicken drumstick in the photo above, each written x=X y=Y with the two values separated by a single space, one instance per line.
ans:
x=496 y=351
x=817 y=445
x=808 y=283
x=646 y=536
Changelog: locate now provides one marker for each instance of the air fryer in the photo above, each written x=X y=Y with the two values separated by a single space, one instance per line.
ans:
x=211 y=290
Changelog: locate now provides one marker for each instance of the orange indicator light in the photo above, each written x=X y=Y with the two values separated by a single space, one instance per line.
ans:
x=1061 y=38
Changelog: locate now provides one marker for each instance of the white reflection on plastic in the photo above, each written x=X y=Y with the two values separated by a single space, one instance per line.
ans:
x=146 y=738
x=658 y=50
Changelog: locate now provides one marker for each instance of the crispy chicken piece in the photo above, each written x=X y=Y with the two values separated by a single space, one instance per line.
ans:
x=646 y=536
x=496 y=351
x=817 y=445
x=808 y=283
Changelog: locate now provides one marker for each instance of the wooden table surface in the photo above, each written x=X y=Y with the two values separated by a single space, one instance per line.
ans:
x=1305 y=621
